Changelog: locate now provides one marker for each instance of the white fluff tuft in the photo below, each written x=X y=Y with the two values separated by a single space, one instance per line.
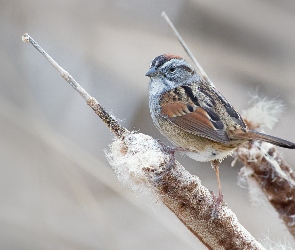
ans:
x=256 y=196
x=271 y=244
x=264 y=113
x=130 y=156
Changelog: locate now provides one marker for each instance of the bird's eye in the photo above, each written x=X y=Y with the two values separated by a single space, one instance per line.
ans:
x=172 y=69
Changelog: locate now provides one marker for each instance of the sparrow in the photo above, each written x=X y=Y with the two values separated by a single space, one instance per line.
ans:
x=195 y=116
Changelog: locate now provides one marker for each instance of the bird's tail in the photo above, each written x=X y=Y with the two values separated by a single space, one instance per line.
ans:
x=271 y=139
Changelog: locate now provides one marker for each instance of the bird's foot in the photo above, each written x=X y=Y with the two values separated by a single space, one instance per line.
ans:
x=217 y=202
x=171 y=149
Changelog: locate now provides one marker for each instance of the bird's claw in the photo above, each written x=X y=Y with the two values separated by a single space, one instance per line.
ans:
x=217 y=202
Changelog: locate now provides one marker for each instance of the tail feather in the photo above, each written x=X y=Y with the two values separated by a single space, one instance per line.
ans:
x=271 y=139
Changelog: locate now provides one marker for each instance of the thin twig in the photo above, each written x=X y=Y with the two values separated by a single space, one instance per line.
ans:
x=186 y=48
x=26 y=38
x=114 y=126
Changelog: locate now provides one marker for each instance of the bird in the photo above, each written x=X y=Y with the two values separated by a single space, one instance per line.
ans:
x=195 y=116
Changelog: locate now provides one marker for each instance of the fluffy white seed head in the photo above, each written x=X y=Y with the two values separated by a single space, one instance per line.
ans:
x=256 y=196
x=264 y=113
x=130 y=156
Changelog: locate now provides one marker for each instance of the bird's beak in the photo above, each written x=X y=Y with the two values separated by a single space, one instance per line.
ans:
x=151 y=72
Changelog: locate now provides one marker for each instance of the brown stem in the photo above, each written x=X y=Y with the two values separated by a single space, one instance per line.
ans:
x=112 y=123
x=274 y=177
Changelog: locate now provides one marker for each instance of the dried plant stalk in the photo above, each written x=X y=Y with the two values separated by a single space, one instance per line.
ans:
x=273 y=175
x=144 y=162
x=192 y=203
x=141 y=162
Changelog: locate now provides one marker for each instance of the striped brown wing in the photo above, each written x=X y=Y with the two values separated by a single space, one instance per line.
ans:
x=196 y=120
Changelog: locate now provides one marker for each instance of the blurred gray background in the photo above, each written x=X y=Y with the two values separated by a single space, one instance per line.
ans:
x=57 y=190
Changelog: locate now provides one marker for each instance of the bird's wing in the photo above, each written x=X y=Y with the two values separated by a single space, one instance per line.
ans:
x=191 y=117
x=216 y=97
